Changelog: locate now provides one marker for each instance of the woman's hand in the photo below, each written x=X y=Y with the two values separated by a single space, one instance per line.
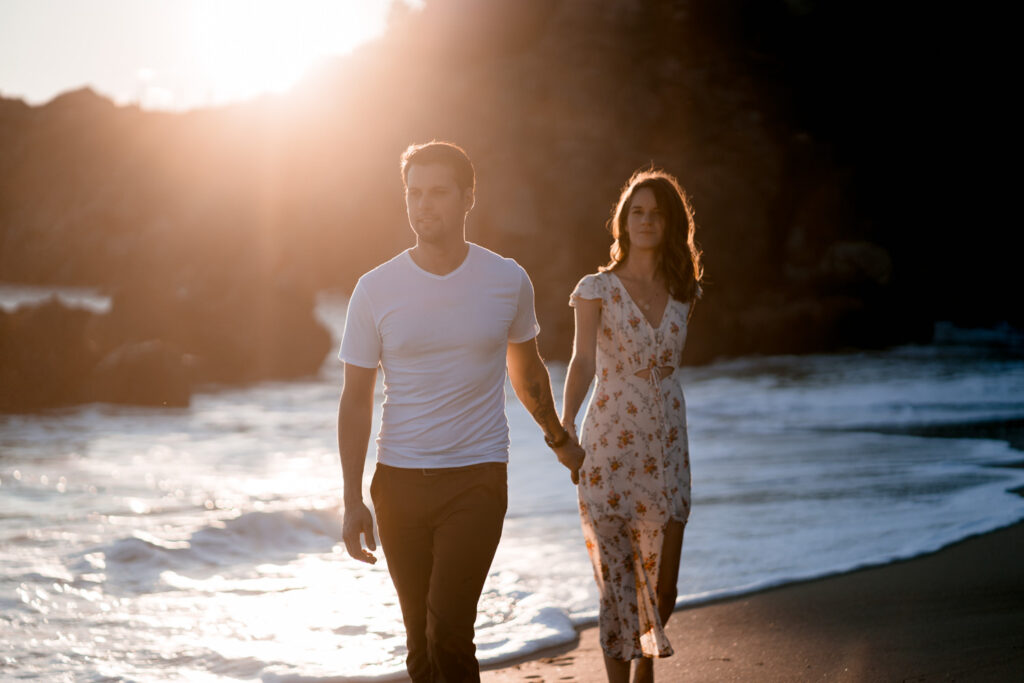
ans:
x=570 y=426
x=571 y=455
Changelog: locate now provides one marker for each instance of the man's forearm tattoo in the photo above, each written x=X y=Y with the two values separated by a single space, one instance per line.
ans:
x=543 y=410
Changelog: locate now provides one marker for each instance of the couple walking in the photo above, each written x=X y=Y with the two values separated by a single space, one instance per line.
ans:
x=445 y=319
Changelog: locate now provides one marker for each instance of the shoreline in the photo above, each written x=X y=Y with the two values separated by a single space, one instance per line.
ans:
x=1011 y=431
x=954 y=614
x=923 y=600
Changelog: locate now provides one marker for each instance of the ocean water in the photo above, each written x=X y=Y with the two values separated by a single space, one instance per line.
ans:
x=203 y=544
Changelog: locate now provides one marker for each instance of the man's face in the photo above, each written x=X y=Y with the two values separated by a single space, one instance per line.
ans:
x=435 y=204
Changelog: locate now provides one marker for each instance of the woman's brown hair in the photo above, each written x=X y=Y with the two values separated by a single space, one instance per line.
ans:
x=680 y=256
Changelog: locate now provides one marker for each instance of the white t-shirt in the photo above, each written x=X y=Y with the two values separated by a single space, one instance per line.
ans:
x=441 y=340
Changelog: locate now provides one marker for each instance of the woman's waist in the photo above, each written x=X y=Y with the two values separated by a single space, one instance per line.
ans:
x=636 y=376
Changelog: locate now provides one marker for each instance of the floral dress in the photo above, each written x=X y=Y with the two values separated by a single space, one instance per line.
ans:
x=636 y=476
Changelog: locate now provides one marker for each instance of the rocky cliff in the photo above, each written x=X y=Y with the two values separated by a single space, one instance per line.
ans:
x=797 y=128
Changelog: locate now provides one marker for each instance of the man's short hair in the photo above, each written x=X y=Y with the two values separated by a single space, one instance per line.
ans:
x=437 y=152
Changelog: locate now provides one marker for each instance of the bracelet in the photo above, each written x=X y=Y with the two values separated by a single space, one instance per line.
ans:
x=559 y=441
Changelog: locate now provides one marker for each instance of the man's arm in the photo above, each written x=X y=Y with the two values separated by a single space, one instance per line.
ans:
x=532 y=385
x=355 y=415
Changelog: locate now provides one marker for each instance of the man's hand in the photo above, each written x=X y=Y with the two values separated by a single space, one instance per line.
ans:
x=571 y=454
x=358 y=522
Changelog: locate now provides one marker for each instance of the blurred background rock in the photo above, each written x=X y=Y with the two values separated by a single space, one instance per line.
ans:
x=831 y=149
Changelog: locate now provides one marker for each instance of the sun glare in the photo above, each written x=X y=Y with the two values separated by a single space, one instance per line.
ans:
x=252 y=47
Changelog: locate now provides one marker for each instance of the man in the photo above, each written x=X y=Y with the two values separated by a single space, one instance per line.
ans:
x=443 y=319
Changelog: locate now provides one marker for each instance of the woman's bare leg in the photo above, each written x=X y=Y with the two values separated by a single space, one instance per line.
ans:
x=668 y=575
x=618 y=670
x=644 y=670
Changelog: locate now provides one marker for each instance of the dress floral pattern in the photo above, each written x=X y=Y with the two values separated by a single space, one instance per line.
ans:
x=636 y=477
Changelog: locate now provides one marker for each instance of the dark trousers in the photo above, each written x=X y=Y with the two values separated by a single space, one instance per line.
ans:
x=439 y=530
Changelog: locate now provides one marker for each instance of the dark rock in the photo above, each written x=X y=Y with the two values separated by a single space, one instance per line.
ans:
x=47 y=353
x=811 y=162
x=860 y=264
x=143 y=373
x=237 y=331
x=155 y=345
x=781 y=325
x=256 y=331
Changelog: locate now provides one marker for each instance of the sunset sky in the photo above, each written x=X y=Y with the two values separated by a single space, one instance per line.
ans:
x=174 y=54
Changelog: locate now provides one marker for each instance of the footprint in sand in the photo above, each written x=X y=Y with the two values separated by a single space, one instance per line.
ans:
x=559 y=661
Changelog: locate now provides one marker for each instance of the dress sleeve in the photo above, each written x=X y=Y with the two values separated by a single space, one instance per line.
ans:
x=590 y=287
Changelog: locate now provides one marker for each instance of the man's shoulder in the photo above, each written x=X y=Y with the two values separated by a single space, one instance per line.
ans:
x=385 y=272
x=496 y=262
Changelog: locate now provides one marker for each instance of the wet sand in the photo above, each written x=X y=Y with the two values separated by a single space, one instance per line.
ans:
x=954 y=615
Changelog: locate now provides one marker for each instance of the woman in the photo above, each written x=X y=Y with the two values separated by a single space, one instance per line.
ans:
x=634 y=489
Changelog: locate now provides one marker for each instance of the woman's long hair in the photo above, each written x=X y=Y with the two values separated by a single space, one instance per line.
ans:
x=679 y=261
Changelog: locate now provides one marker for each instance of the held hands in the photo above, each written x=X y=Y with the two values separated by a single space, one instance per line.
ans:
x=571 y=455
x=358 y=521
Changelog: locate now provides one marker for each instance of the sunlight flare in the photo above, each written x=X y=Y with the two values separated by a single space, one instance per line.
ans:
x=252 y=47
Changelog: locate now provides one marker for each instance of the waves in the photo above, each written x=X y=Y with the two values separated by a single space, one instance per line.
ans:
x=139 y=560
x=204 y=544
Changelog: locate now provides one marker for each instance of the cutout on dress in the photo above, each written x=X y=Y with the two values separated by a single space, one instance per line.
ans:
x=663 y=370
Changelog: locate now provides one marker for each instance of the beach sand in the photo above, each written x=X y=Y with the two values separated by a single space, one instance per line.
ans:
x=954 y=615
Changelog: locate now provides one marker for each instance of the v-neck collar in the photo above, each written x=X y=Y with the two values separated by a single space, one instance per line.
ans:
x=664 y=312
x=435 y=276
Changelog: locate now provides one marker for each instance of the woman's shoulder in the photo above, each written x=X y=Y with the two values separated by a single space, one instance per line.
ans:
x=598 y=278
x=591 y=286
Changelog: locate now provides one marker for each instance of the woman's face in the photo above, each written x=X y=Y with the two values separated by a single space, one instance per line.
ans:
x=645 y=222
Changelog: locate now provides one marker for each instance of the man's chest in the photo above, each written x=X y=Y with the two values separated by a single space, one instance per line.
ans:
x=470 y=321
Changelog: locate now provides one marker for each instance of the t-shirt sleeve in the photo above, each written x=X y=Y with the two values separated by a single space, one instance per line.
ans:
x=360 y=343
x=590 y=287
x=524 y=326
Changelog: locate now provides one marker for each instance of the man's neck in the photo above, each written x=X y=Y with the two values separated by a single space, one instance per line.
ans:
x=439 y=259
